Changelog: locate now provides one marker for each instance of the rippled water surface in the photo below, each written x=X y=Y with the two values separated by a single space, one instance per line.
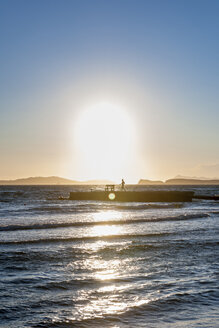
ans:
x=101 y=264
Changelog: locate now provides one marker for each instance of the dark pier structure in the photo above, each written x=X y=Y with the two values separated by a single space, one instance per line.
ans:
x=133 y=196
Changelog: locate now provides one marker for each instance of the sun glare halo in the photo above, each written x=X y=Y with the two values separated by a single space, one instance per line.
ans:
x=104 y=139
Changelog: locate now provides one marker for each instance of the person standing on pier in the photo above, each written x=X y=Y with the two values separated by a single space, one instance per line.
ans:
x=123 y=185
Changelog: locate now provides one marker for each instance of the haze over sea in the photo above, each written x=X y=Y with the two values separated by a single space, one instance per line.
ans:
x=101 y=264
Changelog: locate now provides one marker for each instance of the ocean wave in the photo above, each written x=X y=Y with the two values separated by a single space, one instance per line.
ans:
x=148 y=206
x=11 y=193
x=215 y=212
x=90 y=207
x=10 y=196
x=154 y=305
x=84 y=238
x=81 y=283
x=103 y=222
x=14 y=258
x=96 y=238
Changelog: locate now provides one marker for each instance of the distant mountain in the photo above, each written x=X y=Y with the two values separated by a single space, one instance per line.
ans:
x=179 y=180
x=182 y=181
x=149 y=182
x=51 y=181
x=38 y=181
x=196 y=178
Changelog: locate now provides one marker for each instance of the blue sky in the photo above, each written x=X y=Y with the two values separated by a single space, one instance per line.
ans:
x=157 y=58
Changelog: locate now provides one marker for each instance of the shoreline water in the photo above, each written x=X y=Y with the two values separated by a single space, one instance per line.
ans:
x=95 y=264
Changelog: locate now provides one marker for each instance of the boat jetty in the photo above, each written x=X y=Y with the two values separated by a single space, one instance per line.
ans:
x=111 y=194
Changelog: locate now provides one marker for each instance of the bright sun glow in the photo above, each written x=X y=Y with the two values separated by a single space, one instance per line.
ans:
x=104 y=139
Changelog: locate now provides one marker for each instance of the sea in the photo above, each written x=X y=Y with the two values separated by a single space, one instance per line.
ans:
x=95 y=264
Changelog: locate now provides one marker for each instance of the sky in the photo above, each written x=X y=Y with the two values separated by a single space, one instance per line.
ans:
x=150 y=67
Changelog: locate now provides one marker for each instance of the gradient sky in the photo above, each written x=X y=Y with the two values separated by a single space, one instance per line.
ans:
x=157 y=59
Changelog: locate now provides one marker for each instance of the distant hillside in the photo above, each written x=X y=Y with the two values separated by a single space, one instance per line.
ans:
x=180 y=181
x=192 y=182
x=51 y=181
x=62 y=181
x=38 y=181
x=193 y=178
x=149 y=182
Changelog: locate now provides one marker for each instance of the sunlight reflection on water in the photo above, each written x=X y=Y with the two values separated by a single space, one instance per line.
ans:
x=106 y=268
x=107 y=215
x=106 y=230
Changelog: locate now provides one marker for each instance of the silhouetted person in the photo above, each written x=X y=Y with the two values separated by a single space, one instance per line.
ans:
x=123 y=185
